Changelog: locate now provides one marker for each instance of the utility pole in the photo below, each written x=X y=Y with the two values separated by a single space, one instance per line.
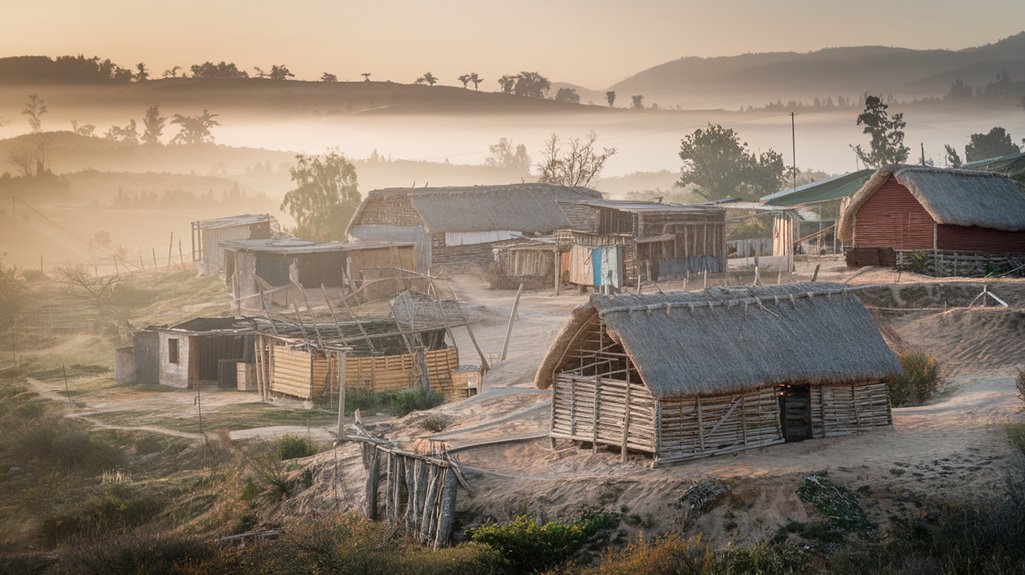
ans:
x=793 y=148
x=923 y=152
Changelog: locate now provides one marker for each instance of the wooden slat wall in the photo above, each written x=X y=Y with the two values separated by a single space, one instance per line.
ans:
x=838 y=410
x=981 y=240
x=702 y=426
x=579 y=402
x=301 y=375
x=893 y=218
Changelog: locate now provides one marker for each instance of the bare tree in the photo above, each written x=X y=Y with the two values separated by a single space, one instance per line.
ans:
x=97 y=292
x=577 y=165
x=34 y=109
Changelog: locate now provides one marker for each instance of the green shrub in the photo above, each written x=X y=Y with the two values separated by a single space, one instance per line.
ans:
x=294 y=447
x=419 y=399
x=112 y=507
x=529 y=546
x=1016 y=433
x=918 y=381
x=670 y=554
x=764 y=557
x=836 y=502
x=66 y=445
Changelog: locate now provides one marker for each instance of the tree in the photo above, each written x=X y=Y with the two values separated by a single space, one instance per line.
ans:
x=610 y=97
x=86 y=130
x=428 y=78
x=887 y=144
x=97 y=292
x=531 y=85
x=153 y=126
x=719 y=165
x=128 y=134
x=567 y=95
x=508 y=83
x=194 y=129
x=142 y=74
x=366 y=76
x=465 y=79
x=638 y=101
x=280 y=72
x=959 y=91
x=952 y=159
x=172 y=72
x=576 y=166
x=476 y=79
x=222 y=71
x=324 y=198
x=505 y=155
x=13 y=296
x=34 y=109
x=991 y=145
x=328 y=78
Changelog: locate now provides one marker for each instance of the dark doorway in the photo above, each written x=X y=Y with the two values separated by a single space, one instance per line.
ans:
x=795 y=412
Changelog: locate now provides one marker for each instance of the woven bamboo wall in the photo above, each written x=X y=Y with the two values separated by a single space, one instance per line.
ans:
x=701 y=426
x=622 y=412
x=848 y=409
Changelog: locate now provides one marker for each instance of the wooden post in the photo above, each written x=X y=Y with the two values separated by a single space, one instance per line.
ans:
x=815 y=274
x=154 y=258
x=447 y=508
x=373 y=478
x=512 y=316
x=67 y=388
x=410 y=516
x=557 y=271
x=341 y=394
x=626 y=423
x=428 y=509
x=181 y=254
x=170 y=248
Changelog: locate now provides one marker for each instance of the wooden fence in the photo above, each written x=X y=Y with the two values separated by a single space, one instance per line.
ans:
x=942 y=263
x=419 y=490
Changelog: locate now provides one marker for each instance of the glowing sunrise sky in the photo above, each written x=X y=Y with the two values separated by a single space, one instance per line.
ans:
x=593 y=43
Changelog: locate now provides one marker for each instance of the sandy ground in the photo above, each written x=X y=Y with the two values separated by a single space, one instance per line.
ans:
x=954 y=447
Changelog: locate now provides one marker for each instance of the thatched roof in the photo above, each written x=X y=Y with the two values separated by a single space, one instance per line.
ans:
x=530 y=208
x=952 y=197
x=729 y=340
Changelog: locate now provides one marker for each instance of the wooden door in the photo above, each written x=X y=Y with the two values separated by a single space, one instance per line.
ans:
x=795 y=412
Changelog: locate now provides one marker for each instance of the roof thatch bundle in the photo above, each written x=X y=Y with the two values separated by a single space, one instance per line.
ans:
x=952 y=197
x=530 y=208
x=728 y=340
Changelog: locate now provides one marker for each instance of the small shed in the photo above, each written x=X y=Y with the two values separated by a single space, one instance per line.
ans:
x=204 y=350
x=934 y=220
x=627 y=242
x=457 y=228
x=691 y=374
x=533 y=263
x=207 y=236
x=273 y=266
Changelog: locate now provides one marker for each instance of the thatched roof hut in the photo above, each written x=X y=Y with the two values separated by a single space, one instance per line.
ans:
x=719 y=360
x=937 y=221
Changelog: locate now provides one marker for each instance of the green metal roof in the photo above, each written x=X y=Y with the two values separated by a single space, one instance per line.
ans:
x=821 y=190
x=1007 y=164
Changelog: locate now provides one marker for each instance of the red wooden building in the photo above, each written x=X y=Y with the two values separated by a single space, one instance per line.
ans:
x=938 y=221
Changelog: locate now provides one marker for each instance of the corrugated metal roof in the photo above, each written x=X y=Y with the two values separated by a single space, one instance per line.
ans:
x=635 y=206
x=821 y=190
x=297 y=246
x=1007 y=164
x=232 y=221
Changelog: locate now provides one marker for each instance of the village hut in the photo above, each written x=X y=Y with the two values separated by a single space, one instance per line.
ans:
x=691 y=374
x=207 y=236
x=276 y=267
x=532 y=263
x=629 y=242
x=380 y=356
x=938 y=221
x=457 y=228
x=201 y=351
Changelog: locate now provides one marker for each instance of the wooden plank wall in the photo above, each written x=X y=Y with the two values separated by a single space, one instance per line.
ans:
x=838 y=410
x=693 y=427
x=603 y=411
x=298 y=374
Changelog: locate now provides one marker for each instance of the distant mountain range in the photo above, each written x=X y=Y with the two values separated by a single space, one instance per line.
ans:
x=757 y=79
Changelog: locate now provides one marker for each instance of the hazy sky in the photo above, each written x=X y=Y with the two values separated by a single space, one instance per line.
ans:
x=589 y=42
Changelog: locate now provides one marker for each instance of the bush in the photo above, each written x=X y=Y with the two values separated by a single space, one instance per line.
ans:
x=134 y=553
x=66 y=445
x=435 y=423
x=419 y=399
x=528 y=546
x=1016 y=433
x=918 y=381
x=114 y=506
x=294 y=447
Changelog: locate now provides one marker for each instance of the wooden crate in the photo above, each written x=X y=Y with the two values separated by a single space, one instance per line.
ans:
x=246 y=378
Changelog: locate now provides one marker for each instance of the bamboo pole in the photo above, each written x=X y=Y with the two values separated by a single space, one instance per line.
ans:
x=512 y=316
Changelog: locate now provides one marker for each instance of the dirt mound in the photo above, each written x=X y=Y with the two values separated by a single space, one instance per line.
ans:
x=940 y=294
x=962 y=340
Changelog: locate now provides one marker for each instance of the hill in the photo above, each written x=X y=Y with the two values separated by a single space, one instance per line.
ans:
x=753 y=79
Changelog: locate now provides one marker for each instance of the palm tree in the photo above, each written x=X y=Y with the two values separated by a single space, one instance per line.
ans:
x=366 y=76
x=428 y=78
x=477 y=80
x=465 y=79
